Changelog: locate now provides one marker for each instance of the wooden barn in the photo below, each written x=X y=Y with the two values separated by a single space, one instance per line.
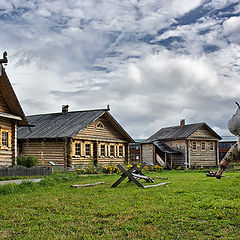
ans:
x=11 y=116
x=185 y=146
x=77 y=138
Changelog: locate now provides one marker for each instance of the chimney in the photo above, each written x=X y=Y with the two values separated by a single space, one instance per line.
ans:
x=182 y=122
x=65 y=109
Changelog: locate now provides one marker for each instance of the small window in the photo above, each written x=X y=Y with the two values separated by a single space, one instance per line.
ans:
x=87 y=149
x=5 y=139
x=194 y=145
x=102 y=150
x=120 y=150
x=211 y=146
x=112 y=150
x=100 y=125
x=203 y=146
x=77 y=149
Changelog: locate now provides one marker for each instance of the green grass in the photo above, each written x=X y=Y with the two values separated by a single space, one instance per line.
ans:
x=193 y=206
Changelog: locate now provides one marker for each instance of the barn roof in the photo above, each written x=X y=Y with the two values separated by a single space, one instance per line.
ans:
x=164 y=147
x=11 y=99
x=180 y=132
x=59 y=125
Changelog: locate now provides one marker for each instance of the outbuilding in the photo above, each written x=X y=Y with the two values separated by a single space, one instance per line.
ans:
x=185 y=146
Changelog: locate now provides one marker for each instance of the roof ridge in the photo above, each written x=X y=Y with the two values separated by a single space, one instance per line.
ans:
x=89 y=110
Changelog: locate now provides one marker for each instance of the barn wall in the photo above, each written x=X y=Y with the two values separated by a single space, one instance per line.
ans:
x=44 y=150
x=199 y=157
x=148 y=153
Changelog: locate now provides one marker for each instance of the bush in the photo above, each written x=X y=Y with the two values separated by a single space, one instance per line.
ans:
x=27 y=161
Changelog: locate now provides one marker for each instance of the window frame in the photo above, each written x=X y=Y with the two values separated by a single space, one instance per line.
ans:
x=203 y=146
x=102 y=150
x=87 y=148
x=112 y=151
x=8 y=142
x=120 y=153
x=194 y=145
x=211 y=146
x=101 y=125
x=77 y=149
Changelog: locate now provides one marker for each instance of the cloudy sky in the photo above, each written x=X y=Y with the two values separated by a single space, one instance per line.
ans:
x=154 y=61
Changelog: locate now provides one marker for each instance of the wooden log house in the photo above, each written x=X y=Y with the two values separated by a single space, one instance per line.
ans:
x=185 y=146
x=11 y=116
x=72 y=139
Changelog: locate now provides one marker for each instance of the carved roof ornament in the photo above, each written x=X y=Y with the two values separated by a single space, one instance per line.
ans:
x=4 y=59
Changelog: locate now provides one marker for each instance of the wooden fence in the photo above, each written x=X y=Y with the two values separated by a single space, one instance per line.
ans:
x=24 y=171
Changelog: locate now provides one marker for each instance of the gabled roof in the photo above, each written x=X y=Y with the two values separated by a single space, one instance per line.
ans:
x=11 y=98
x=180 y=132
x=59 y=125
x=164 y=147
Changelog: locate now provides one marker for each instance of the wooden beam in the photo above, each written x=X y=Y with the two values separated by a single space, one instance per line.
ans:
x=86 y=185
x=157 y=185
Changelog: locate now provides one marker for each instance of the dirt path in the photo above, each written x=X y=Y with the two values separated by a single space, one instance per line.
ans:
x=20 y=181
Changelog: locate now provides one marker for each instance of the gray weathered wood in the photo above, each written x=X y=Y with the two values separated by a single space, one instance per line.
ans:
x=156 y=185
x=86 y=185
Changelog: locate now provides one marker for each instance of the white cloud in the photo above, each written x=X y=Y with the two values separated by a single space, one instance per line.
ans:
x=92 y=53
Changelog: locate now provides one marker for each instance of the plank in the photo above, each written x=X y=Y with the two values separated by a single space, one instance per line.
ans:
x=157 y=185
x=86 y=185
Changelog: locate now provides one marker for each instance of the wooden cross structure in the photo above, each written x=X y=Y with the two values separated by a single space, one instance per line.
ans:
x=134 y=173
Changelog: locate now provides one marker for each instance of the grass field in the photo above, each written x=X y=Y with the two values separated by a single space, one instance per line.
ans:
x=193 y=206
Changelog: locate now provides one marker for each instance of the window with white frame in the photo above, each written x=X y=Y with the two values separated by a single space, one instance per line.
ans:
x=87 y=149
x=203 y=144
x=102 y=149
x=111 y=150
x=77 y=149
x=120 y=151
x=5 y=139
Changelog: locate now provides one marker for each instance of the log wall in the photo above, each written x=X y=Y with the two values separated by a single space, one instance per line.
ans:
x=109 y=132
x=7 y=153
x=45 y=151
x=3 y=105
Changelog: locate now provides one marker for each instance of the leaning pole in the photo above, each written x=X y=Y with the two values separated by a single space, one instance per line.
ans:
x=233 y=152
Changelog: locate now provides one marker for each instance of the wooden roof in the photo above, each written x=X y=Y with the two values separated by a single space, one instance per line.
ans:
x=180 y=132
x=11 y=98
x=59 y=125
x=164 y=147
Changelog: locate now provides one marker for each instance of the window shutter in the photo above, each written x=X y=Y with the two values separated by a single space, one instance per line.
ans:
x=106 y=150
x=9 y=139
x=99 y=149
x=91 y=149
x=82 y=149
x=116 y=150
x=123 y=151
x=0 y=138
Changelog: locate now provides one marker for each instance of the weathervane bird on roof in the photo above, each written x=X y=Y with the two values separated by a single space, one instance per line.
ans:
x=4 y=59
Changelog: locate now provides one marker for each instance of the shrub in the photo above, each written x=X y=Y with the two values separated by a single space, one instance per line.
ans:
x=27 y=161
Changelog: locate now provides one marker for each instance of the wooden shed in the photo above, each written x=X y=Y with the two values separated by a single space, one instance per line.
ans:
x=75 y=138
x=11 y=116
x=186 y=146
